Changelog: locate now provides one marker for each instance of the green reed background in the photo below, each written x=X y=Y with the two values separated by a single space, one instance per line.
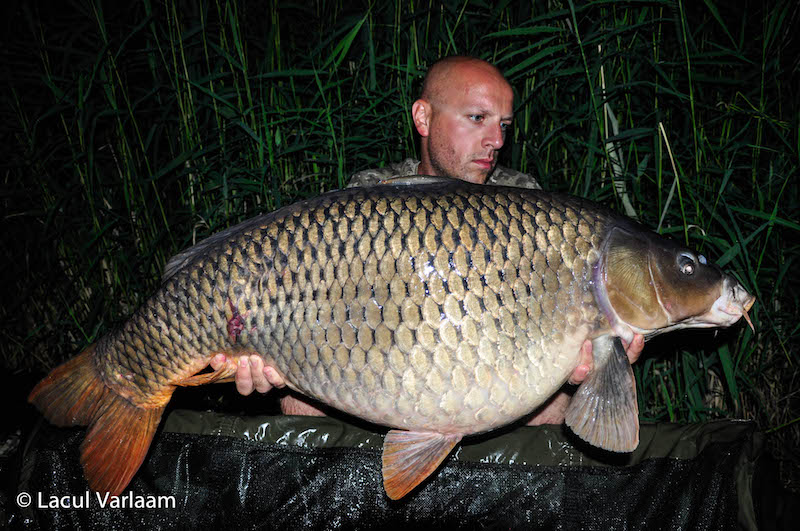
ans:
x=132 y=132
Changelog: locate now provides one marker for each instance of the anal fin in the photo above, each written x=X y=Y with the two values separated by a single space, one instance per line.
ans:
x=409 y=457
x=604 y=411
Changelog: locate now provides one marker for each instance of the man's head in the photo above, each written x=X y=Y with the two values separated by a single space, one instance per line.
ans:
x=462 y=116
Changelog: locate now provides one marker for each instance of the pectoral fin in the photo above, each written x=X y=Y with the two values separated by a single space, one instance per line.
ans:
x=409 y=457
x=604 y=411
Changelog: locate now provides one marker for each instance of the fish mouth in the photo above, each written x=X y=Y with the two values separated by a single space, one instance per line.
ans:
x=739 y=302
x=732 y=304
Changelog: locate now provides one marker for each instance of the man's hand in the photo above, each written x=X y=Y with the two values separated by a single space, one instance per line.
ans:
x=585 y=365
x=553 y=411
x=251 y=373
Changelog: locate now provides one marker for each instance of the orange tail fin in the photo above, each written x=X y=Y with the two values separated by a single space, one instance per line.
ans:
x=119 y=433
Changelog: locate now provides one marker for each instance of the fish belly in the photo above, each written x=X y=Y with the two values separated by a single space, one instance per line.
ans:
x=460 y=391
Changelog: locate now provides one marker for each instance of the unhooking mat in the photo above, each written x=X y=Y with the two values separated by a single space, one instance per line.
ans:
x=207 y=470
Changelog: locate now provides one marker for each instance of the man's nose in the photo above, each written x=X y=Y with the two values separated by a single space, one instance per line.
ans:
x=494 y=137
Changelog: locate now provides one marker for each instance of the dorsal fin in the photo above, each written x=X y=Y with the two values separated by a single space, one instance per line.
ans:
x=177 y=262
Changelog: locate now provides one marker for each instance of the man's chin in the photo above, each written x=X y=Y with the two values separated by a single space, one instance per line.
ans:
x=471 y=173
x=475 y=177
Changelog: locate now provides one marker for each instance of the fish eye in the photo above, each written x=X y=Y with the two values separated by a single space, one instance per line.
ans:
x=687 y=264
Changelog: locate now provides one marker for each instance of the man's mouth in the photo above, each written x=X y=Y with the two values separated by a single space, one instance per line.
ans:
x=486 y=164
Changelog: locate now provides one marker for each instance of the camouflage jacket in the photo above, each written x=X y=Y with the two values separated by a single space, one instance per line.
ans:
x=500 y=176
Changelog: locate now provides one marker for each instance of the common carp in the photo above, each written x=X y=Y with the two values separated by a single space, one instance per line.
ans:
x=441 y=309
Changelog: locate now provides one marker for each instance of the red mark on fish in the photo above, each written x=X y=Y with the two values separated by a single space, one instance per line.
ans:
x=235 y=323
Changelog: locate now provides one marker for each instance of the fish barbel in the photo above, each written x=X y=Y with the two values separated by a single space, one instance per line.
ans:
x=435 y=307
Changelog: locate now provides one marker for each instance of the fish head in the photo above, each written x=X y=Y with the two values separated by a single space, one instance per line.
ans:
x=653 y=285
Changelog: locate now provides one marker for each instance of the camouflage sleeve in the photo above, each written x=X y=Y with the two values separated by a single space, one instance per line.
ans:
x=373 y=176
x=501 y=176
x=508 y=177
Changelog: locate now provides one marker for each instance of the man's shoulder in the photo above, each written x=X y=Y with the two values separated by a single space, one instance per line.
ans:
x=373 y=176
x=503 y=176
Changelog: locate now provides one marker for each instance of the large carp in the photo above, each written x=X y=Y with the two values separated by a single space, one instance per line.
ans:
x=440 y=309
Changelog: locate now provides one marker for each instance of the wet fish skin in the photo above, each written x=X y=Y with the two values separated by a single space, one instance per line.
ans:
x=406 y=307
x=444 y=309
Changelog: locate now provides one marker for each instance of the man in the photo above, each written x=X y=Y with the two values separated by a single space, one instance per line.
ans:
x=462 y=117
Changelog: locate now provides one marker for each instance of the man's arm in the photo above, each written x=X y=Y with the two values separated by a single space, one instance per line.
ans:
x=373 y=176
x=503 y=176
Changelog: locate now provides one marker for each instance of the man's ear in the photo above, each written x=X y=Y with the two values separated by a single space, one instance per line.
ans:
x=421 y=114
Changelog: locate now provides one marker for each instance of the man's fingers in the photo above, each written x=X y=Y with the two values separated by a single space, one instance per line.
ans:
x=260 y=382
x=585 y=364
x=244 y=378
x=579 y=374
x=218 y=362
x=634 y=349
x=251 y=373
x=273 y=377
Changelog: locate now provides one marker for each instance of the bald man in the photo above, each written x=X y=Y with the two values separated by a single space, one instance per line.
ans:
x=462 y=116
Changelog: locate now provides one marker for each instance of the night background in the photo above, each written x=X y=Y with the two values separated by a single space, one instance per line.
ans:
x=132 y=130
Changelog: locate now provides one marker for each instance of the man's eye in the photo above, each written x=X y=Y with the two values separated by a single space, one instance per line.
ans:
x=505 y=127
x=476 y=117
